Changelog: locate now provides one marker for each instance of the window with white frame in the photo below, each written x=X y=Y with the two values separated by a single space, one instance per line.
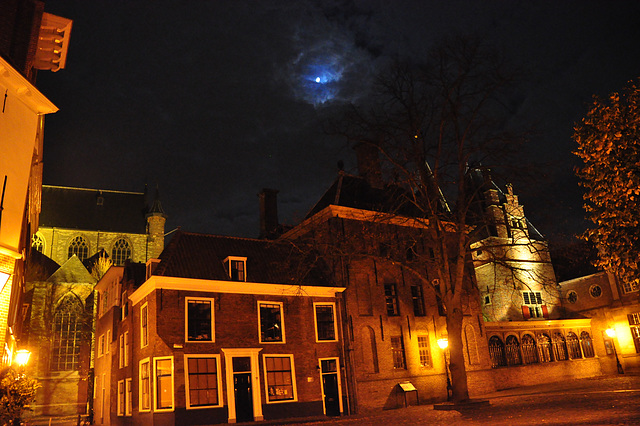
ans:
x=144 y=325
x=128 y=409
x=121 y=351
x=145 y=386
x=271 y=323
x=121 y=398
x=236 y=268
x=325 y=318
x=163 y=383
x=126 y=348
x=423 y=350
x=107 y=342
x=203 y=381
x=199 y=324
x=532 y=302
x=630 y=286
x=101 y=345
x=279 y=378
x=124 y=306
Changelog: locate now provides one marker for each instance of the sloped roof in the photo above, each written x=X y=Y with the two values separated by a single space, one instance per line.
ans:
x=93 y=209
x=201 y=256
x=356 y=192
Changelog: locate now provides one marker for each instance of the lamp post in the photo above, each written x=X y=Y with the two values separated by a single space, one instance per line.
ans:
x=443 y=343
x=611 y=332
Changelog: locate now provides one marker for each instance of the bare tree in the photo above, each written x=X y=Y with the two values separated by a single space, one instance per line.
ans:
x=428 y=123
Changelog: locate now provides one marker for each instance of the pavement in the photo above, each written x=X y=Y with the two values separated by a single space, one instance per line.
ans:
x=603 y=400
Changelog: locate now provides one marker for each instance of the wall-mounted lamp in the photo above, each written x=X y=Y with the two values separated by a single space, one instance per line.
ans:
x=22 y=357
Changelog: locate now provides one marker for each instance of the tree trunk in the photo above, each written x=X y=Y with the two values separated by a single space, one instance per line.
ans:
x=459 y=386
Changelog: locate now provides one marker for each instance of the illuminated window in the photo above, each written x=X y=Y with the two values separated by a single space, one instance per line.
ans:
x=163 y=383
x=532 y=306
x=121 y=351
x=145 y=386
x=634 y=325
x=101 y=345
x=271 y=323
x=79 y=247
x=199 y=320
x=126 y=348
x=423 y=349
x=391 y=300
x=120 y=252
x=325 y=322
x=236 y=268
x=67 y=333
x=203 y=387
x=397 y=351
x=280 y=378
x=37 y=242
x=630 y=287
x=418 y=300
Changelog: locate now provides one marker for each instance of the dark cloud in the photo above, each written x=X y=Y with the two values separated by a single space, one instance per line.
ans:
x=214 y=100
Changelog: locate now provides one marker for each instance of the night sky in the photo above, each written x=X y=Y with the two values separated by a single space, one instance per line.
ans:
x=214 y=100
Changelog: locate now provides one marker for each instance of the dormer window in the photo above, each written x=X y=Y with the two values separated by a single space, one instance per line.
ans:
x=236 y=268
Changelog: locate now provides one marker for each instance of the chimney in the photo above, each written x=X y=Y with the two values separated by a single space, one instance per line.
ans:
x=369 y=164
x=268 y=212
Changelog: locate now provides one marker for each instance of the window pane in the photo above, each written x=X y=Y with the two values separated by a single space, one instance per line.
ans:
x=203 y=381
x=164 y=391
x=279 y=378
x=270 y=323
x=325 y=323
x=199 y=320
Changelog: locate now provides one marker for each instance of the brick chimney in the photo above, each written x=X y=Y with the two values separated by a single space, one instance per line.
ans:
x=369 y=164
x=268 y=213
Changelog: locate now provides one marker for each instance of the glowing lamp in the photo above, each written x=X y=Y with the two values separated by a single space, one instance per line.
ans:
x=610 y=332
x=22 y=357
x=443 y=343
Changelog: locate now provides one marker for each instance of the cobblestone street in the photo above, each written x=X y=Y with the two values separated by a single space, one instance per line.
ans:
x=597 y=401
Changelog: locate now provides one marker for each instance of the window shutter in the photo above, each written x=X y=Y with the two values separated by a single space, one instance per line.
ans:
x=525 y=312
x=545 y=311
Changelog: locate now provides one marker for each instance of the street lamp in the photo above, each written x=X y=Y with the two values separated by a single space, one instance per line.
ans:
x=22 y=357
x=612 y=333
x=443 y=343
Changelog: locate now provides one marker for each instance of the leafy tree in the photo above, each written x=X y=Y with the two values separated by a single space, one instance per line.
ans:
x=608 y=141
x=428 y=123
x=17 y=391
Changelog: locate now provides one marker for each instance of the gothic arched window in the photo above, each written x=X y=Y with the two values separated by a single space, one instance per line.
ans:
x=121 y=251
x=545 y=354
x=573 y=345
x=560 y=347
x=66 y=334
x=529 y=350
x=79 y=247
x=496 y=352
x=37 y=242
x=512 y=348
x=587 y=345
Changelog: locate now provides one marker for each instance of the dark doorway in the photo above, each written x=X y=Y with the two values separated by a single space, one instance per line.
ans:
x=244 y=399
x=330 y=387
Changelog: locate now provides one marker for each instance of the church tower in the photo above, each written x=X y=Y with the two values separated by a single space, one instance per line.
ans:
x=156 y=219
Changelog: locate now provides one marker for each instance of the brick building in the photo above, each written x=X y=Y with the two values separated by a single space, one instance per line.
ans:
x=218 y=330
x=393 y=318
x=78 y=229
x=25 y=47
